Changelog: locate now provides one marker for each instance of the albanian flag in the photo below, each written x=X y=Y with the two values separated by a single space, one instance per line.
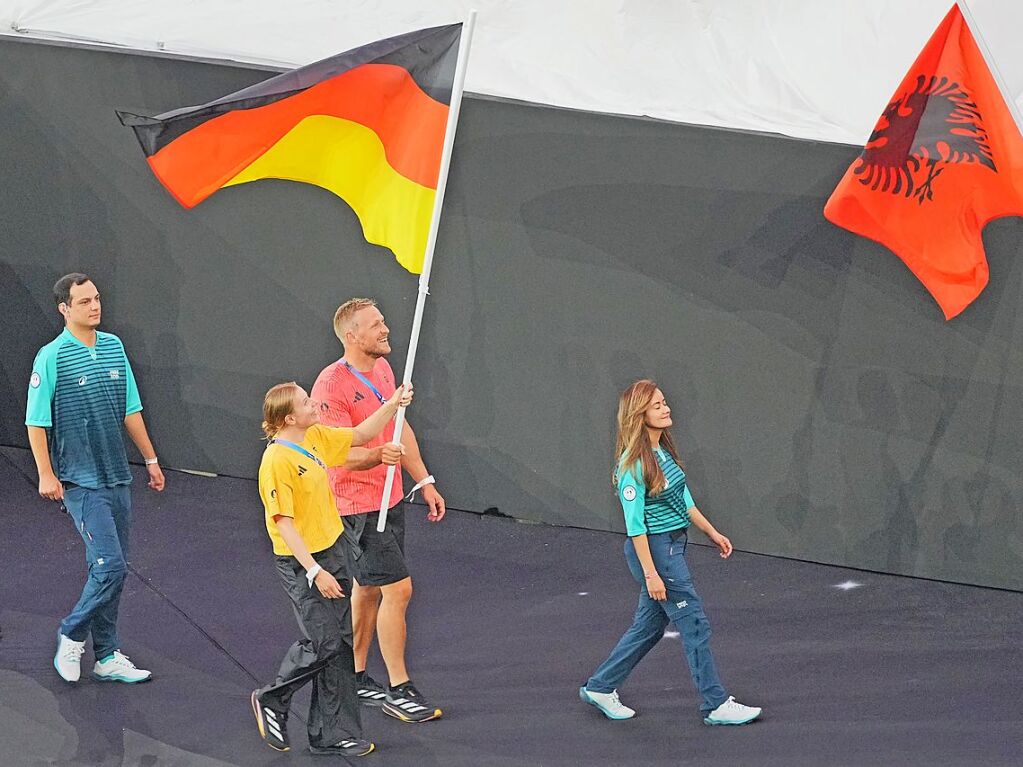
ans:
x=368 y=125
x=945 y=158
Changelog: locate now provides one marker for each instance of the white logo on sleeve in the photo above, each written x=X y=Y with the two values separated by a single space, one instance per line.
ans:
x=629 y=493
x=115 y=374
x=35 y=380
x=83 y=380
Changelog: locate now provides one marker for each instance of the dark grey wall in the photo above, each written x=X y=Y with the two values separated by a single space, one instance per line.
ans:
x=824 y=408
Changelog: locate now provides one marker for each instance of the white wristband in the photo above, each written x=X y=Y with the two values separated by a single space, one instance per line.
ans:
x=427 y=480
x=152 y=461
x=311 y=573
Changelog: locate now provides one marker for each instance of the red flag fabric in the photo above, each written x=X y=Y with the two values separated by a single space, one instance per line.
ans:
x=945 y=157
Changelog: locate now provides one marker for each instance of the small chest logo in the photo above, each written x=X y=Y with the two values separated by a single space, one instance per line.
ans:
x=83 y=380
x=35 y=380
x=358 y=396
x=302 y=470
x=115 y=374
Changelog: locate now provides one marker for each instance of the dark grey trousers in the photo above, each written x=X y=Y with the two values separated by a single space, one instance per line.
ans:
x=324 y=654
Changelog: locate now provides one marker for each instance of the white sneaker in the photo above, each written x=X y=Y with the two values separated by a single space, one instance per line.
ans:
x=608 y=702
x=117 y=668
x=732 y=712
x=68 y=660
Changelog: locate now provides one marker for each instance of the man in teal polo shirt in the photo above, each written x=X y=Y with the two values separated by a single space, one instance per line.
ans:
x=81 y=392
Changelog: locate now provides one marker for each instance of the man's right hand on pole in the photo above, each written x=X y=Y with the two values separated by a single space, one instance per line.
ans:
x=391 y=453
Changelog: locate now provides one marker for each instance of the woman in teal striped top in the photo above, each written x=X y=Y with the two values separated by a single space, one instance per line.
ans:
x=659 y=510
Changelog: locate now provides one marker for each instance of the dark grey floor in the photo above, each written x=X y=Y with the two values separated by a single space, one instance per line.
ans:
x=507 y=621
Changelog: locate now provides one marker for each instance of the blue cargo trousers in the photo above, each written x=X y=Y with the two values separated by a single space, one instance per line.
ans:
x=103 y=519
x=683 y=607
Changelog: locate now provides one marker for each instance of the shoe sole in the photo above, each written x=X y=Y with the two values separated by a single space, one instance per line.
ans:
x=122 y=679
x=585 y=698
x=256 y=710
x=713 y=723
x=403 y=717
x=334 y=752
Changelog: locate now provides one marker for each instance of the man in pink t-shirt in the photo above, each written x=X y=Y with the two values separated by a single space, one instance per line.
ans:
x=349 y=391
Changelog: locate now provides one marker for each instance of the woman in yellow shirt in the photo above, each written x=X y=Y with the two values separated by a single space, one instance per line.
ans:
x=303 y=524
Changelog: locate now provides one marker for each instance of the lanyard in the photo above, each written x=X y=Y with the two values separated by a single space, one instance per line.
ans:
x=300 y=449
x=365 y=380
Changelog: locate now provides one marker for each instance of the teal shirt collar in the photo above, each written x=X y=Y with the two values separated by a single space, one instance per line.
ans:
x=68 y=335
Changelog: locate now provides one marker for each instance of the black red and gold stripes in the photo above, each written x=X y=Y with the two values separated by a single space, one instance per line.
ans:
x=367 y=124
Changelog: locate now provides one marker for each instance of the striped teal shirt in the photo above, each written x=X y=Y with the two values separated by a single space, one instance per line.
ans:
x=82 y=395
x=652 y=514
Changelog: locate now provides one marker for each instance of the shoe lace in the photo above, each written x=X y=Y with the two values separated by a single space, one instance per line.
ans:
x=73 y=650
x=615 y=700
x=121 y=660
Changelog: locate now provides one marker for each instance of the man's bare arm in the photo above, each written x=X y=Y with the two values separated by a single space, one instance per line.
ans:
x=49 y=486
x=136 y=428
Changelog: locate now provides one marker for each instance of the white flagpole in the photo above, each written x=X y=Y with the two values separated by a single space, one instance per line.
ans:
x=991 y=65
x=431 y=242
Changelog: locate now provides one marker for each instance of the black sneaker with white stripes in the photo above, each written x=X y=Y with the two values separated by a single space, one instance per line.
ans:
x=345 y=747
x=406 y=703
x=273 y=725
x=371 y=692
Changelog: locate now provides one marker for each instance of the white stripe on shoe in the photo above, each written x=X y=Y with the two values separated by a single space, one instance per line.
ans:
x=407 y=705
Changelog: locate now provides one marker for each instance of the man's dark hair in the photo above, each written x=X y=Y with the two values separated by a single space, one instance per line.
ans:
x=62 y=288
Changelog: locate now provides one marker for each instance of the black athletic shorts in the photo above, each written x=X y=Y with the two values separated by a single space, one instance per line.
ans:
x=376 y=559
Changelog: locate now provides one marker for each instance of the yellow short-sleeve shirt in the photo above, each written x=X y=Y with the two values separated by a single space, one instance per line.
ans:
x=294 y=485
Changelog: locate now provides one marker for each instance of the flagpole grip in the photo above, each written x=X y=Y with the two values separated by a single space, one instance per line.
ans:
x=457 y=88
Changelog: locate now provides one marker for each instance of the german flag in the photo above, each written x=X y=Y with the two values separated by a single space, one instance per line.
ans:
x=368 y=125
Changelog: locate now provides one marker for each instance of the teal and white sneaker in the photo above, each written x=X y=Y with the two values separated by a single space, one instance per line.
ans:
x=68 y=660
x=117 y=668
x=608 y=702
x=732 y=712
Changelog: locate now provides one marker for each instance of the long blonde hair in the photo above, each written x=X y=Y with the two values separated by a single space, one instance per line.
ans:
x=632 y=445
x=278 y=404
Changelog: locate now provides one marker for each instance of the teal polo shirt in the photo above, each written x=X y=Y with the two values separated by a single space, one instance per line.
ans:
x=651 y=514
x=82 y=395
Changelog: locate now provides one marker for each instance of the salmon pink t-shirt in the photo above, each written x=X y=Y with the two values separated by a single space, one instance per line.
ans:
x=347 y=401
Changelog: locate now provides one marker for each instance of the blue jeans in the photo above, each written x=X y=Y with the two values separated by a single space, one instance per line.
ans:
x=683 y=608
x=103 y=519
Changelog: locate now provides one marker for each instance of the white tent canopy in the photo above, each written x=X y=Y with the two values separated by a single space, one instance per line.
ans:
x=805 y=68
